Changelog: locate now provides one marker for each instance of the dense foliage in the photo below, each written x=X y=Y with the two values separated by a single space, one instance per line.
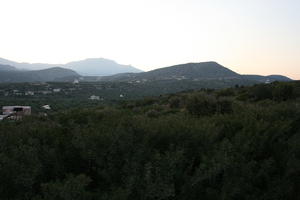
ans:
x=238 y=143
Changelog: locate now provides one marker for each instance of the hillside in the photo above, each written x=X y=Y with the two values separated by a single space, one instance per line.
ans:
x=50 y=74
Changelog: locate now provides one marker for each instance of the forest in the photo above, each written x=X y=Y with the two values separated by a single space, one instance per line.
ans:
x=239 y=143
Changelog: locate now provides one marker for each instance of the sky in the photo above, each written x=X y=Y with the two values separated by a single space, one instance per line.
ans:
x=247 y=36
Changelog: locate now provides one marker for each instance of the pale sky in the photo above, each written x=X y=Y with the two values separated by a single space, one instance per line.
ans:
x=247 y=36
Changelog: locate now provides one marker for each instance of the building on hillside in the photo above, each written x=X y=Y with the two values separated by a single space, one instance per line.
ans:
x=16 y=112
x=57 y=90
x=76 y=81
x=29 y=93
x=93 y=97
x=2 y=117
x=46 y=107
x=267 y=81
x=46 y=92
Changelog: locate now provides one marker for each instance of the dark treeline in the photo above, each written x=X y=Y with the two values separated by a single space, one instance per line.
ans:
x=241 y=143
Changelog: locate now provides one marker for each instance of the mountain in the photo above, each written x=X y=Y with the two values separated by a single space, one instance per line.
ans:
x=100 y=67
x=51 y=74
x=190 y=71
x=7 y=68
x=87 y=67
x=27 y=66
x=203 y=71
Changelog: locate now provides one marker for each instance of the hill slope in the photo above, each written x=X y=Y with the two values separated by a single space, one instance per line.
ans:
x=50 y=74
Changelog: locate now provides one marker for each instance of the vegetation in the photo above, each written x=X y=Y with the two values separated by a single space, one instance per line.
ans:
x=71 y=95
x=237 y=143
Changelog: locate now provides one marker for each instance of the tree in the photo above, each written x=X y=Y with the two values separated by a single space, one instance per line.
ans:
x=71 y=188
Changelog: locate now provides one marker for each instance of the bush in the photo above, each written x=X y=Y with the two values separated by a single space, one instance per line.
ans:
x=201 y=105
x=261 y=92
x=175 y=102
x=224 y=106
x=283 y=92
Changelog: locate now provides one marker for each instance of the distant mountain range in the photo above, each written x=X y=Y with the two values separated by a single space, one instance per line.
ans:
x=87 y=67
x=9 y=74
x=99 y=67
x=208 y=73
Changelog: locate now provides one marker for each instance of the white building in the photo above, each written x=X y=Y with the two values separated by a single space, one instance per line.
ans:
x=46 y=92
x=29 y=93
x=93 y=97
x=56 y=90
x=2 y=117
x=46 y=107
x=20 y=110
x=267 y=81
x=76 y=81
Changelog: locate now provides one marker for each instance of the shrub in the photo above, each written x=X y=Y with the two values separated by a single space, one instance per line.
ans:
x=175 y=102
x=282 y=92
x=261 y=92
x=201 y=105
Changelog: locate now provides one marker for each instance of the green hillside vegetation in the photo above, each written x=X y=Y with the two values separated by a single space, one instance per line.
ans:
x=237 y=143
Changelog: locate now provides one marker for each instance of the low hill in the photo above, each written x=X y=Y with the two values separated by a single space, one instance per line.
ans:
x=50 y=74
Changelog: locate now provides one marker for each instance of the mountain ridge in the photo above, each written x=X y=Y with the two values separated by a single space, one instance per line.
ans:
x=203 y=71
x=87 y=67
x=193 y=71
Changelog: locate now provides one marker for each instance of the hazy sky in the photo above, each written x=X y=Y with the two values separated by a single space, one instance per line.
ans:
x=248 y=36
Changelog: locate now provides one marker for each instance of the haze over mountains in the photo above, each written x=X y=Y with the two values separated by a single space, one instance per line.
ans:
x=10 y=74
x=99 y=69
x=87 y=67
